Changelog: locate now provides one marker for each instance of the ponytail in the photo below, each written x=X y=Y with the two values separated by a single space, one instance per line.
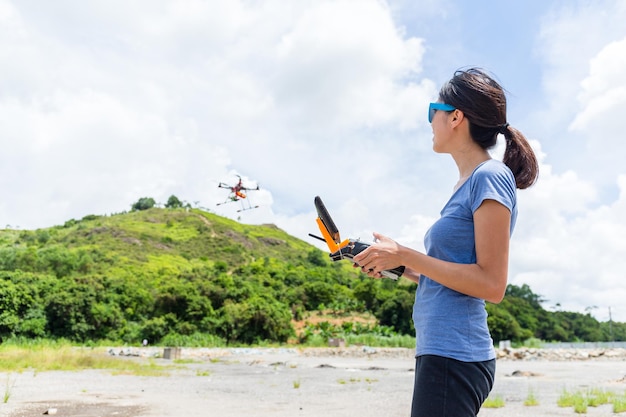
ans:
x=520 y=158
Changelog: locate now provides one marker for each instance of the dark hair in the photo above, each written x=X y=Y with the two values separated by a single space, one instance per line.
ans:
x=482 y=100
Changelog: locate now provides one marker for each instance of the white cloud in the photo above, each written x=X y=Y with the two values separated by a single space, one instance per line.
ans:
x=171 y=98
x=570 y=240
x=347 y=73
x=576 y=260
x=602 y=92
x=582 y=47
x=64 y=149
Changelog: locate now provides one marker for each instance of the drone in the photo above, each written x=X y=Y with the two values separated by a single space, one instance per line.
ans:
x=238 y=193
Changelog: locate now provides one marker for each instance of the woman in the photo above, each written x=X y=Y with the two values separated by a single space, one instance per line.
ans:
x=467 y=249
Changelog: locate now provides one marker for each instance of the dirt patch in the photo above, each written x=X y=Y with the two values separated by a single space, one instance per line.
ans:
x=334 y=319
x=78 y=409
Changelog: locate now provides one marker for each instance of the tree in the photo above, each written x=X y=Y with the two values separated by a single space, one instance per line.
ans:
x=503 y=325
x=173 y=202
x=258 y=318
x=317 y=257
x=68 y=310
x=397 y=310
x=144 y=203
x=525 y=293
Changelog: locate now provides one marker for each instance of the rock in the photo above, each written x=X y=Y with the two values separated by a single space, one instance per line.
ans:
x=336 y=342
x=566 y=354
x=524 y=373
x=369 y=350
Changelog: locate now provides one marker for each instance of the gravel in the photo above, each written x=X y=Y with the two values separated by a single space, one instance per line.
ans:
x=339 y=382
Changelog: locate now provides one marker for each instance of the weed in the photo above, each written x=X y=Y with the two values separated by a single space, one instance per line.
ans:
x=619 y=404
x=7 y=389
x=494 y=402
x=296 y=384
x=531 y=399
x=597 y=397
x=580 y=405
x=592 y=398
x=567 y=399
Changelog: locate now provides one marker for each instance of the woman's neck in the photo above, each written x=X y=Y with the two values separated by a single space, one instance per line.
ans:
x=467 y=163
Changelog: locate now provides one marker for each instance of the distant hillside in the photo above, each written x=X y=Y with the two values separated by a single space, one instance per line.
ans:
x=155 y=272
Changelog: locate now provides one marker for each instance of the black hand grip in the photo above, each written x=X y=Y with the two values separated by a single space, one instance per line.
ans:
x=355 y=247
x=394 y=273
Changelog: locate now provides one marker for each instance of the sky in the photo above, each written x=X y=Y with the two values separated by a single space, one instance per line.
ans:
x=106 y=102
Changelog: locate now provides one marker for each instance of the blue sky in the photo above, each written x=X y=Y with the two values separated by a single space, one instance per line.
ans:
x=104 y=102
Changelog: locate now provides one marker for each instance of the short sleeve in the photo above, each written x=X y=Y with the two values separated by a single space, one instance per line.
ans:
x=493 y=181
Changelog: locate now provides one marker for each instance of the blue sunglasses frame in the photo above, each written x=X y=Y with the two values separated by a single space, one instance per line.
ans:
x=438 y=106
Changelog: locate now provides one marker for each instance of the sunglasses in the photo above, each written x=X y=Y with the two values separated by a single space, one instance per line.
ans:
x=437 y=106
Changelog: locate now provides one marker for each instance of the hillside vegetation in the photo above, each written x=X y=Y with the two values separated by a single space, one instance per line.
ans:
x=180 y=274
x=161 y=272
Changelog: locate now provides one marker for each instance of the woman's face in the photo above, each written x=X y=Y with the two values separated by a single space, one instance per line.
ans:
x=441 y=131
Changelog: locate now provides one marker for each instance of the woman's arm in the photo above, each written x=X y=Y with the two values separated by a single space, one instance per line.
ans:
x=411 y=275
x=486 y=279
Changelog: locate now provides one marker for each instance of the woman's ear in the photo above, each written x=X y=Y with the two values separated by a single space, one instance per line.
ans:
x=456 y=117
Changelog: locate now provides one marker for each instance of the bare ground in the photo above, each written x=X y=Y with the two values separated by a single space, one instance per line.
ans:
x=360 y=382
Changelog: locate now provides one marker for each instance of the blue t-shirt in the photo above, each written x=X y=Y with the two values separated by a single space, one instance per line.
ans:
x=448 y=323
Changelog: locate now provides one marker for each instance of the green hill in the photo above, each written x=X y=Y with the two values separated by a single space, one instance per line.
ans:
x=158 y=272
x=186 y=276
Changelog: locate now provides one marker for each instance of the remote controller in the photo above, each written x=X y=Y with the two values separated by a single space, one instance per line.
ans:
x=353 y=248
x=346 y=249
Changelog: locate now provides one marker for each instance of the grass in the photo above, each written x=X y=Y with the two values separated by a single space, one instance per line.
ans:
x=531 y=399
x=597 y=397
x=494 y=402
x=619 y=404
x=567 y=398
x=63 y=357
x=354 y=380
x=7 y=389
x=580 y=405
x=594 y=397
x=373 y=340
x=193 y=340
x=396 y=341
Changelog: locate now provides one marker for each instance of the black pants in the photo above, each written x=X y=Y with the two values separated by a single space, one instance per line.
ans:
x=449 y=388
